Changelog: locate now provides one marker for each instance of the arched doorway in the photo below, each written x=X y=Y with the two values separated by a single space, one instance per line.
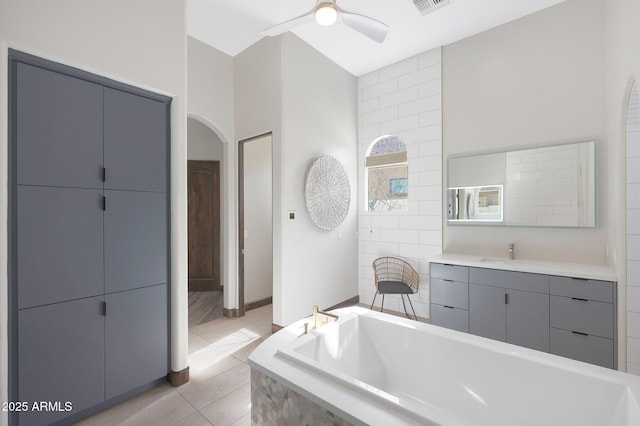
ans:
x=204 y=158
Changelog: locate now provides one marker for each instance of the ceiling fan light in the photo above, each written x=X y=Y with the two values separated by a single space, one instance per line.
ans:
x=326 y=14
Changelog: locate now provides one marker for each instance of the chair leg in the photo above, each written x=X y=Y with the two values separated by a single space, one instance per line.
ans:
x=405 y=306
x=374 y=300
x=414 y=311
x=382 y=307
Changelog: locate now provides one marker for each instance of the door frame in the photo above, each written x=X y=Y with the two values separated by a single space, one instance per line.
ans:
x=241 y=143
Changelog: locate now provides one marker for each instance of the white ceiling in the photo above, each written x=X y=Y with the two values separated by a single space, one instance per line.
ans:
x=233 y=25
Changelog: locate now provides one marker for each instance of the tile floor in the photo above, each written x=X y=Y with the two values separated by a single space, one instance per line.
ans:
x=218 y=392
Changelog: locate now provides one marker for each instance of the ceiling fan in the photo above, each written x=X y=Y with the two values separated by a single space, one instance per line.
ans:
x=327 y=12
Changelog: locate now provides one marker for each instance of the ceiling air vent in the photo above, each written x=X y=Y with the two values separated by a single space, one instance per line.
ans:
x=428 y=6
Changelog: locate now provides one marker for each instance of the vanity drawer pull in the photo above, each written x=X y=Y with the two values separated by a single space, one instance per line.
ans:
x=580 y=279
x=448 y=307
x=446 y=280
x=581 y=334
x=580 y=299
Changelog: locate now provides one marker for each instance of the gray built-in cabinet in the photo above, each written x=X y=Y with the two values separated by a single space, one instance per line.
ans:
x=567 y=316
x=89 y=246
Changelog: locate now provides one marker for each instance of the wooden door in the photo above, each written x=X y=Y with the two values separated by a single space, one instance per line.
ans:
x=204 y=225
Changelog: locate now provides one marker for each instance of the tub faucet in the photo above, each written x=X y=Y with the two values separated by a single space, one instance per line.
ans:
x=317 y=313
x=512 y=251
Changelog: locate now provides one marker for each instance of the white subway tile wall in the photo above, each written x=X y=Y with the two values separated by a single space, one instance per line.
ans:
x=633 y=233
x=404 y=100
x=542 y=186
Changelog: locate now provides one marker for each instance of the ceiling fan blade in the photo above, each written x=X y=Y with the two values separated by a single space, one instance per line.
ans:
x=365 y=25
x=288 y=25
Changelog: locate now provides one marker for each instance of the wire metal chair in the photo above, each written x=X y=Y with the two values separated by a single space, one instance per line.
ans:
x=395 y=276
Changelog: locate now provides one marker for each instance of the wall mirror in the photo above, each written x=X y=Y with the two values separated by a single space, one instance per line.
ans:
x=545 y=186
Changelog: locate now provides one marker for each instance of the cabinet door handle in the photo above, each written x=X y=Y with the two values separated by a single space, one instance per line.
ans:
x=579 y=299
x=104 y=203
x=581 y=334
x=104 y=174
x=506 y=298
x=104 y=308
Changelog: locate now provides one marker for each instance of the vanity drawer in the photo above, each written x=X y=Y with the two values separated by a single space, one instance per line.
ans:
x=585 y=316
x=450 y=272
x=525 y=281
x=450 y=293
x=453 y=318
x=592 y=349
x=601 y=291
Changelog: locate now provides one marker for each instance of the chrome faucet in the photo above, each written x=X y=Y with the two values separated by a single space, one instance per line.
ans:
x=512 y=251
x=318 y=313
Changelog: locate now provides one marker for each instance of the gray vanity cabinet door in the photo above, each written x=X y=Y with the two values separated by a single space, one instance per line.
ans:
x=59 y=129
x=528 y=319
x=135 y=228
x=61 y=352
x=136 y=338
x=59 y=244
x=135 y=142
x=487 y=312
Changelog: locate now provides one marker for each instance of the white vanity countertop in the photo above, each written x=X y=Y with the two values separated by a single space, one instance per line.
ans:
x=567 y=269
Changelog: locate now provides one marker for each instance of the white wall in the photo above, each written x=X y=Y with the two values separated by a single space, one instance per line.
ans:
x=319 y=117
x=622 y=37
x=537 y=80
x=258 y=219
x=118 y=40
x=210 y=77
x=258 y=111
x=202 y=143
x=285 y=87
x=404 y=100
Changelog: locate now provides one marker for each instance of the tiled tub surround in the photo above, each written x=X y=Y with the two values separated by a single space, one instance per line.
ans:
x=562 y=308
x=373 y=368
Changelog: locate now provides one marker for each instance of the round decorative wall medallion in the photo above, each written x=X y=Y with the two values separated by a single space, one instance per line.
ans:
x=327 y=192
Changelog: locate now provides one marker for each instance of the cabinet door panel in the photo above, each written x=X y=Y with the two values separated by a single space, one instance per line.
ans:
x=61 y=357
x=487 y=312
x=449 y=272
x=592 y=349
x=450 y=293
x=525 y=281
x=528 y=319
x=135 y=240
x=136 y=338
x=59 y=129
x=448 y=317
x=135 y=142
x=60 y=244
x=584 y=316
x=601 y=291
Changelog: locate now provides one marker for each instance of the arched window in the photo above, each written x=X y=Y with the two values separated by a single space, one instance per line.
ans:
x=387 y=175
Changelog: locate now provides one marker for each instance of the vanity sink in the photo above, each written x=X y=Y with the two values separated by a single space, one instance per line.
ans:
x=504 y=261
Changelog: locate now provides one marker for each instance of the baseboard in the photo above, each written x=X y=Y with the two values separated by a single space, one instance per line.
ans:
x=178 y=378
x=392 y=312
x=231 y=313
x=349 y=302
x=258 y=304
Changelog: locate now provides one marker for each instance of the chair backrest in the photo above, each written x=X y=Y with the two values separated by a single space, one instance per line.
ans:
x=395 y=269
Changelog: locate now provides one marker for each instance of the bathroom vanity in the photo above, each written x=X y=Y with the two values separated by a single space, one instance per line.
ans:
x=562 y=308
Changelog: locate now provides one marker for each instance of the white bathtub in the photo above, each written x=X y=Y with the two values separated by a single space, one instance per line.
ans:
x=429 y=375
